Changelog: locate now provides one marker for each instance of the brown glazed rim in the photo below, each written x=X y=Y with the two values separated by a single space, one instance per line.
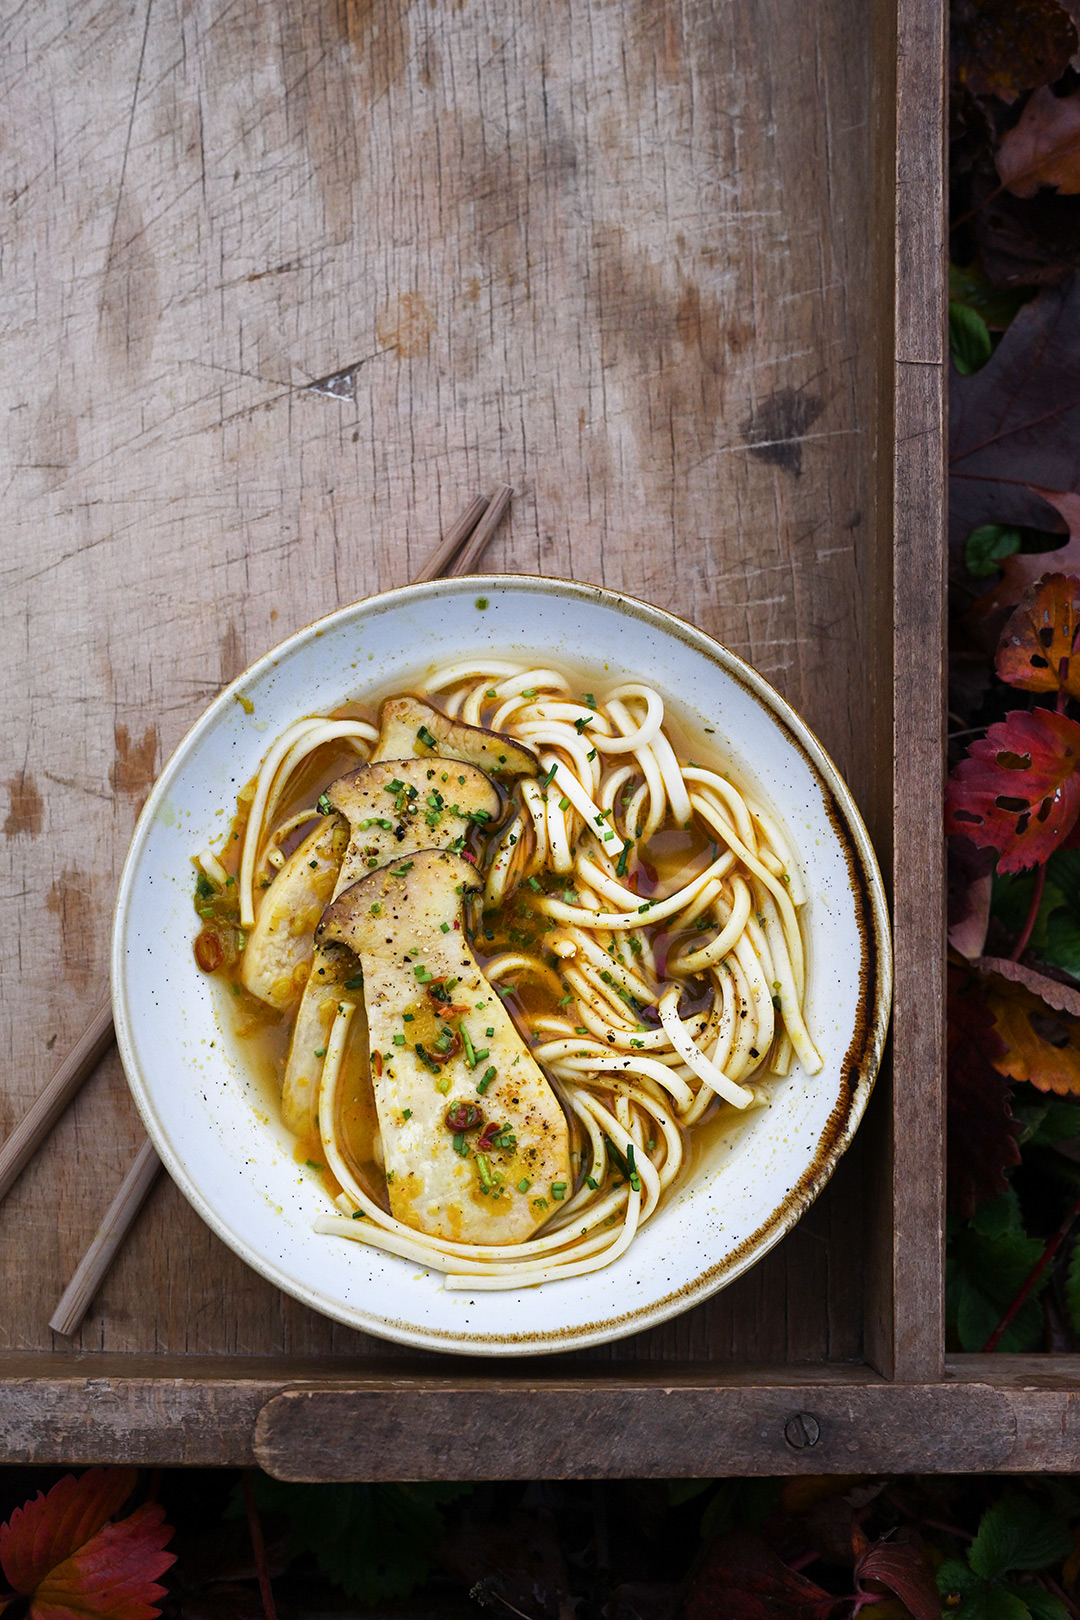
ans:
x=861 y=1061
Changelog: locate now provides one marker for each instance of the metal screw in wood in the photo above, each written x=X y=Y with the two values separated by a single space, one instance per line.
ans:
x=802 y=1430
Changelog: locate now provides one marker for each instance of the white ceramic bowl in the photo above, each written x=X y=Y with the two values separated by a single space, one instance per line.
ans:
x=206 y=1115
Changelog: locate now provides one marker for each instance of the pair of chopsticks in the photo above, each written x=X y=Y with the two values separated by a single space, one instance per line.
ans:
x=457 y=554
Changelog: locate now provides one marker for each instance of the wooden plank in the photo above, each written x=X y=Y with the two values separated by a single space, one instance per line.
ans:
x=908 y=1341
x=616 y=253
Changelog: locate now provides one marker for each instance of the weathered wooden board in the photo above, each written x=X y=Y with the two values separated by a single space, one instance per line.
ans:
x=630 y=255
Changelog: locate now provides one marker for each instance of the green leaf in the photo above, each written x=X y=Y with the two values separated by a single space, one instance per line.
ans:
x=1063 y=871
x=372 y=1541
x=971 y=286
x=988 y=546
x=1040 y=1605
x=969 y=339
x=1072 y=1288
x=989 y=1602
x=1017 y=1533
x=1000 y=1215
x=955 y=1579
x=1059 y=1121
x=1062 y=946
x=977 y=1317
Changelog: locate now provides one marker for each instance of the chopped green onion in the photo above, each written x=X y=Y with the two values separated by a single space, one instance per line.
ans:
x=624 y=855
x=486 y=1079
x=524 y=1184
x=424 y=735
x=323 y=805
x=399 y=1040
x=422 y=973
x=564 y=803
x=529 y=691
x=558 y=1190
x=484 y=1170
x=406 y=1113
x=460 y=1145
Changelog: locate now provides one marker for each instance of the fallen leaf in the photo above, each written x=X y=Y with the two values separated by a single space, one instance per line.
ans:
x=971 y=880
x=113 y=1575
x=1037 y=645
x=1015 y=424
x=981 y=1135
x=1024 y=569
x=1003 y=47
x=1042 y=1045
x=1043 y=146
x=905 y=1570
x=741 y=1578
x=61 y=1552
x=43 y=1532
x=1059 y=996
x=1018 y=790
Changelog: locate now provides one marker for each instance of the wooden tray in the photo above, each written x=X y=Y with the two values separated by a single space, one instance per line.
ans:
x=638 y=259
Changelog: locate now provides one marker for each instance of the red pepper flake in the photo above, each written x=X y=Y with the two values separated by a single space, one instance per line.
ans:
x=376 y=1062
x=456 y=923
x=463 y=1116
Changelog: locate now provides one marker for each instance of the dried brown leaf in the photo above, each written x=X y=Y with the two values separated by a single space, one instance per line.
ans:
x=1043 y=147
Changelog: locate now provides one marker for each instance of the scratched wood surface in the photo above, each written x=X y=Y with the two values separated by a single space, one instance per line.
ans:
x=620 y=253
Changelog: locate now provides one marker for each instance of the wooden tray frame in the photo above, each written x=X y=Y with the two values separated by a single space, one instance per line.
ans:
x=906 y=1407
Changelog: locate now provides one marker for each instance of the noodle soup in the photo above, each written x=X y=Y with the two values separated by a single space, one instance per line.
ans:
x=627 y=935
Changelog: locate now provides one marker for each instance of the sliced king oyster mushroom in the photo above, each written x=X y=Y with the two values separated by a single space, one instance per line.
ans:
x=279 y=947
x=408 y=726
x=474 y=1141
x=388 y=823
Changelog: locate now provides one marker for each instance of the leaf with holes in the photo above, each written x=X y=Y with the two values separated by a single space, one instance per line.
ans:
x=1018 y=791
x=1042 y=1044
x=1037 y=646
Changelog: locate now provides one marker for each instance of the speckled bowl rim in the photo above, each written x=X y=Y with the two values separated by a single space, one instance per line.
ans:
x=861 y=1062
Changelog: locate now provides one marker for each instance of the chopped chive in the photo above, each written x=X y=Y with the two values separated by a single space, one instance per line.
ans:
x=564 y=803
x=540 y=1203
x=460 y=1145
x=481 y=603
x=443 y=1084
x=590 y=700
x=594 y=1186
x=314 y=1163
x=484 y=1170
x=323 y=805
x=505 y=989
x=320 y=1051
x=635 y=1179
x=470 y=1051
x=408 y=1018
x=529 y=691
x=489 y=1032
x=533 y=883
x=422 y=973
x=395 y=786
x=566 y=999
x=445 y=927
x=624 y=856
x=486 y=1079
x=548 y=777
x=558 y=1190
x=399 y=1040
x=490 y=692
x=400 y=871
x=406 y=1113
x=591 y=755
x=524 y=1184
x=646 y=907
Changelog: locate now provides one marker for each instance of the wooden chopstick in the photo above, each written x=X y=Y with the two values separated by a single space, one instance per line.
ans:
x=43 y=1114
x=474 y=549
x=136 y=1185
x=480 y=520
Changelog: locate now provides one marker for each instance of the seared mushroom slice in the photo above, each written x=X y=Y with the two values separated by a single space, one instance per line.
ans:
x=474 y=1141
x=394 y=808
x=408 y=726
x=279 y=948
x=408 y=804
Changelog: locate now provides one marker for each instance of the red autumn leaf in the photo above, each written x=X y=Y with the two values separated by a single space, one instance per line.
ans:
x=905 y=1570
x=60 y=1551
x=1018 y=790
x=741 y=1578
x=113 y=1575
x=1037 y=645
x=1043 y=146
x=981 y=1131
x=42 y=1533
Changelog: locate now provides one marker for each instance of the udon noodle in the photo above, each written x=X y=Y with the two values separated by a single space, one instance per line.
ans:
x=639 y=910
